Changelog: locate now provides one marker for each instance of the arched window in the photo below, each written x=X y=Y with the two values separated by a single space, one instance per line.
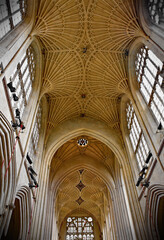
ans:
x=156 y=10
x=150 y=71
x=12 y=12
x=35 y=133
x=79 y=228
x=137 y=138
x=20 y=84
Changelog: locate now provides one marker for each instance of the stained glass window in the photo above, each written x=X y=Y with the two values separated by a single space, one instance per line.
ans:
x=80 y=228
x=12 y=12
x=136 y=136
x=150 y=72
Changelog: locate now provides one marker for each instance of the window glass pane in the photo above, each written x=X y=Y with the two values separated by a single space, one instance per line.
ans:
x=150 y=78
x=4 y=28
x=155 y=10
x=35 y=135
x=145 y=93
x=11 y=15
x=14 y=4
x=80 y=228
x=17 y=17
x=156 y=60
x=22 y=82
x=3 y=9
x=136 y=136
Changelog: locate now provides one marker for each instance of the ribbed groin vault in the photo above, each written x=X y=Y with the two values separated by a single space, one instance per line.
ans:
x=81 y=120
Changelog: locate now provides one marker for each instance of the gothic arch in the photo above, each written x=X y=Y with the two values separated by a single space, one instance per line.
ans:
x=80 y=163
x=7 y=168
x=20 y=219
x=81 y=126
x=96 y=129
x=100 y=173
x=154 y=212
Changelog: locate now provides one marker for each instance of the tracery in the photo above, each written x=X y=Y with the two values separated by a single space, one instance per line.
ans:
x=80 y=228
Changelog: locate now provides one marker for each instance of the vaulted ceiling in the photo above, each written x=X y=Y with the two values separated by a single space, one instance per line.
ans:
x=94 y=149
x=95 y=190
x=84 y=44
x=92 y=194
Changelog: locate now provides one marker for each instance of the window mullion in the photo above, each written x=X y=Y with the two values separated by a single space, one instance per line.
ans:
x=26 y=79
x=30 y=68
x=155 y=65
x=138 y=141
x=143 y=83
x=22 y=84
x=140 y=156
x=143 y=144
x=148 y=78
x=157 y=107
x=160 y=98
x=24 y=69
x=149 y=71
x=143 y=151
x=9 y=13
x=131 y=120
x=4 y=19
x=153 y=90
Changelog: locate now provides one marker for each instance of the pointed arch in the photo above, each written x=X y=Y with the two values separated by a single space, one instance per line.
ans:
x=154 y=211
x=7 y=168
x=20 y=218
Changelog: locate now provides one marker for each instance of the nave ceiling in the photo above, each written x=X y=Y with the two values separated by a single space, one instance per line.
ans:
x=95 y=192
x=93 y=195
x=84 y=44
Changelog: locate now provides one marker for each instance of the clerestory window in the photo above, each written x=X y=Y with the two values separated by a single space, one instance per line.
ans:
x=35 y=134
x=156 y=10
x=80 y=228
x=21 y=81
x=150 y=72
x=137 y=138
x=12 y=12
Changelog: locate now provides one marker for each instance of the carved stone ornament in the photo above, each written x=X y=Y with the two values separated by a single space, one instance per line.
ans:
x=80 y=186
x=79 y=200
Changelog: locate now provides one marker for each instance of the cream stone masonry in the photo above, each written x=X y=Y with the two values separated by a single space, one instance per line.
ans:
x=105 y=29
x=83 y=164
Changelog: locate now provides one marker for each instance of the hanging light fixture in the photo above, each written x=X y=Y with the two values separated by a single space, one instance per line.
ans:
x=10 y=86
x=15 y=97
